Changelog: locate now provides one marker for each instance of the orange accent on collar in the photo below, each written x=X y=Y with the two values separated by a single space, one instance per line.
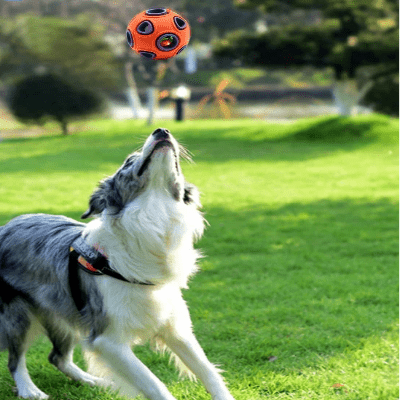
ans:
x=87 y=264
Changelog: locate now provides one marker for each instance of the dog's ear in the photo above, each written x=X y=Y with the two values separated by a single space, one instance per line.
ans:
x=191 y=195
x=106 y=196
x=97 y=203
x=87 y=213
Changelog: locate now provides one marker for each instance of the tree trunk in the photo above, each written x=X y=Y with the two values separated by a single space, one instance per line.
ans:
x=133 y=96
x=64 y=127
x=151 y=103
x=64 y=9
x=347 y=96
x=345 y=93
x=37 y=5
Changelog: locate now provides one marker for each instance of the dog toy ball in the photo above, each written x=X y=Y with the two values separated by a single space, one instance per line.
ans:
x=158 y=33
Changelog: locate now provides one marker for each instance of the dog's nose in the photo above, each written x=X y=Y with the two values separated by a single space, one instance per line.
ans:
x=161 y=133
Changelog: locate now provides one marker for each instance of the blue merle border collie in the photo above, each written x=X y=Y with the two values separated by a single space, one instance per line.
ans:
x=110 y=284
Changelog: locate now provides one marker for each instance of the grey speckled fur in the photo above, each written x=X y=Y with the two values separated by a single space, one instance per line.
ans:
x=34 y=284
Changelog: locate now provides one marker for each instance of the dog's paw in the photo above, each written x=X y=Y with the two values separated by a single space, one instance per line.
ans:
x=31 y=393
x=227 y=396
x=93 y=380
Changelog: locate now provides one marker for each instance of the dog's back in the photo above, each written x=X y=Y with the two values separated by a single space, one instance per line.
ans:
x=33 y=269
x=34 y=253
x=35 y=294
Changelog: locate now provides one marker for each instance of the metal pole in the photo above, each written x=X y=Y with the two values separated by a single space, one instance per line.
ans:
x=179 y=109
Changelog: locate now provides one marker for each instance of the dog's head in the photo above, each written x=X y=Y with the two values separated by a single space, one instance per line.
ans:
x=156 y=166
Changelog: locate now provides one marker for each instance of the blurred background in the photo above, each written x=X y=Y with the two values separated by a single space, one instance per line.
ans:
x=268 y=59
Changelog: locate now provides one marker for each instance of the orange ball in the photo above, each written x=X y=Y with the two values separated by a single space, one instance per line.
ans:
x=158 y=33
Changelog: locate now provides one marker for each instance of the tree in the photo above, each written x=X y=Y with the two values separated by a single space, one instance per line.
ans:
x=211 y=19
x=351 y=36
x=89 y=48
x=74 y=49
x=39 y=97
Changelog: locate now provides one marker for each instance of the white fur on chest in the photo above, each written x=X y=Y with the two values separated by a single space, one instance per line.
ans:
x=153 y=239
x=137 y=314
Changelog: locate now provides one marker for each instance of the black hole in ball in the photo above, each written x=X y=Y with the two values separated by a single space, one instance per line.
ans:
x=145 y=28
x=148 y=54
x=156 y=11
x=129 y=38
x=167 y=42
x=180 y=23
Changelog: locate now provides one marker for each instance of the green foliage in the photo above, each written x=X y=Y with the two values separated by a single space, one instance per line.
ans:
x=298 y=293
x=39 y=97
x=353 y=34
x=72 y=48
x=316 y=45
x=335 y=8
x=213 y=18
x=384 y=95
x=287 y=46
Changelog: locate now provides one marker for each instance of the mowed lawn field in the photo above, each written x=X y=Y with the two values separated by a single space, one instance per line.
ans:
x=297 y=297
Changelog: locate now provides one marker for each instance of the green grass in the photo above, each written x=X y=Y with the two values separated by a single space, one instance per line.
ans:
x=298 y=294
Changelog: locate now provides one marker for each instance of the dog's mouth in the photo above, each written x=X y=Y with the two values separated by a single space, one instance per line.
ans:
x=157 y=146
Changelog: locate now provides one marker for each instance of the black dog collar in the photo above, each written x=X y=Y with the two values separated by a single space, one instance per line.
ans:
x=95 y=263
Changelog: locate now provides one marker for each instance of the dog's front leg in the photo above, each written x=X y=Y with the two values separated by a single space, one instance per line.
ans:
x=192 y=355
x=121 y=359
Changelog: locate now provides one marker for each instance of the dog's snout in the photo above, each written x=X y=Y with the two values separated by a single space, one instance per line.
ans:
x=161 y=133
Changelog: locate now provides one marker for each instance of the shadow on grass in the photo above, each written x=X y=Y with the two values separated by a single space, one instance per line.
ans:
x=340 y=130
x=298 y=282
x=308 y=140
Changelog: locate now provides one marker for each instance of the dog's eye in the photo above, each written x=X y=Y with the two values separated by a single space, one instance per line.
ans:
x=130 y=161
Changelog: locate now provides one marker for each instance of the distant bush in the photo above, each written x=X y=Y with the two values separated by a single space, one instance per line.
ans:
x=36 y=98
x=384 y=95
